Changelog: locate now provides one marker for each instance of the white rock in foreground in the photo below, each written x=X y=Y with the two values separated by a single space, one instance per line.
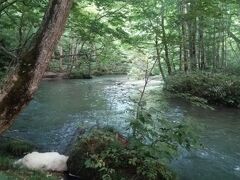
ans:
x=49 y=161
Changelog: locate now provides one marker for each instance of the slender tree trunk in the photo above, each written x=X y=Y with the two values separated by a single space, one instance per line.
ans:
x=192 y=27
x=184 y=35
x=61 y=58
x=214 y=59
x=79 y=58
x=33 y=63
x=217 y=52
x=223 y=51
x=165 y=44
x=73 y=50
x=159 y=59
x=180 y=57
x=179 y=7
x=201 y=45
x=74 y=58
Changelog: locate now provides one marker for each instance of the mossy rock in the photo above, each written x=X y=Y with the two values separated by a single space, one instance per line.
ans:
x=100 y=155
x=15 y=147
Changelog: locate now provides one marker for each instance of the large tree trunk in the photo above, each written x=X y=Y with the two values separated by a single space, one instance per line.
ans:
x=33 y=63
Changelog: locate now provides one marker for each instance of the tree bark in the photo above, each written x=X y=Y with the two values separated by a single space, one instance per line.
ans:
x=33 y=63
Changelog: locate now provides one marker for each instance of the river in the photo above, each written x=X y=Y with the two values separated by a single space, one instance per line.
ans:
x=60 y=107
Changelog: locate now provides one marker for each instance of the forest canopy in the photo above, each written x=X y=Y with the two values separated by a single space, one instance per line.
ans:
x=183 y=35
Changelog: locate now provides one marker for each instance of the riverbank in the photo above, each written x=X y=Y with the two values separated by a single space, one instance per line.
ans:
x=75 y=75
x=211 y=88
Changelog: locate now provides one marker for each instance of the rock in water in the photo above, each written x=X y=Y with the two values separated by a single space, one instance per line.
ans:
x=49 y=161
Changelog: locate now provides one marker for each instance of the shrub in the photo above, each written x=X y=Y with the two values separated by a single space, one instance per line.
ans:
x=216 y=89
x=100 y=155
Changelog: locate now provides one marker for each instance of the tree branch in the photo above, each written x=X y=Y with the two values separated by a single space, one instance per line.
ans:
x=4 y=6
x=234 y=37
x=8 y=53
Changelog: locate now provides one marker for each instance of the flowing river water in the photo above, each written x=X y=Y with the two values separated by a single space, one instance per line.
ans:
x=60 y=107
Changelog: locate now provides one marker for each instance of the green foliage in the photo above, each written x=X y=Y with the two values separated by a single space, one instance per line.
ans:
x=5 y=163
x=101 y=155
x=15 y=147
x=216 y=89
x=232 y=69
x=163 y=139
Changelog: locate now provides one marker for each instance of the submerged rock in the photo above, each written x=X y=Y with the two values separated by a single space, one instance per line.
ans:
x=49 y=161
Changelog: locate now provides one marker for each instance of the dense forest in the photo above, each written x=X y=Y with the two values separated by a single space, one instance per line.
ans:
x=191 y=48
